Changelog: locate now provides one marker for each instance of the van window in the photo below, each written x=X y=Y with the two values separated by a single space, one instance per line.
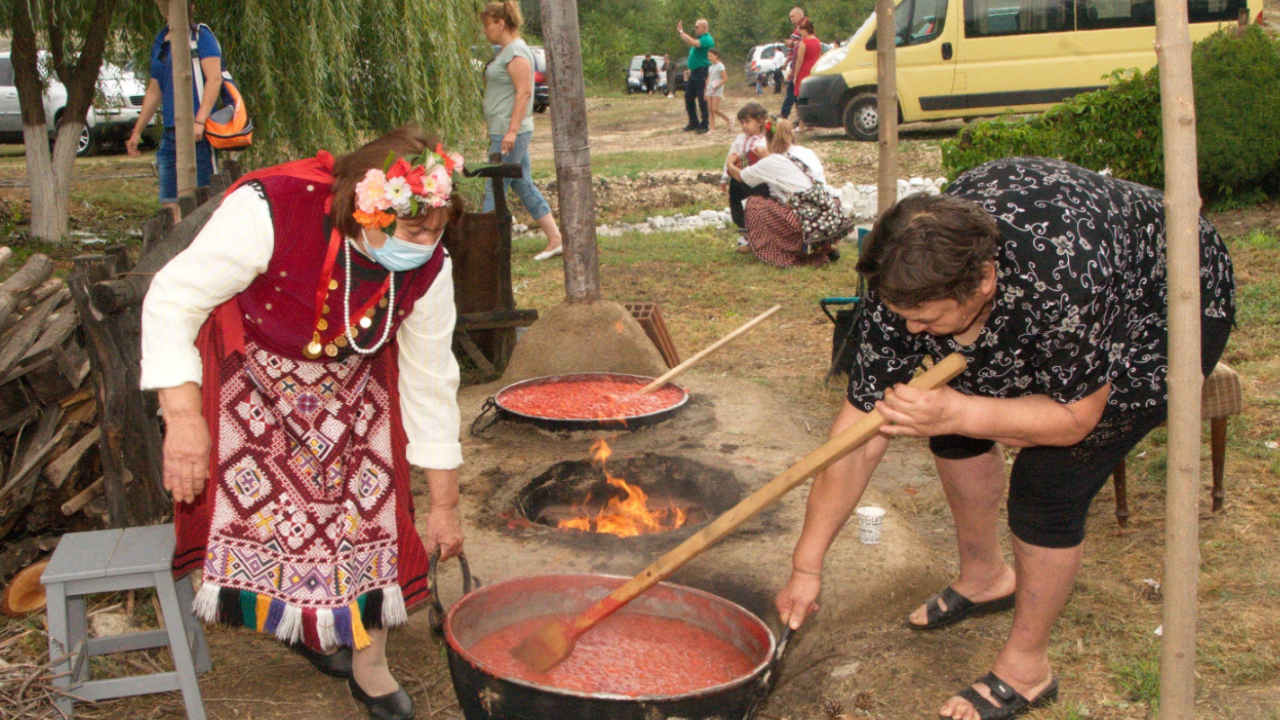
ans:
x=1105 y=14
x=6 y=72
x=990 y=18
x=916 y=22
x=1215 y=10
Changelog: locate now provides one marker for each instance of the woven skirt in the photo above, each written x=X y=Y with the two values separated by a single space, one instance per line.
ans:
x=774 y=235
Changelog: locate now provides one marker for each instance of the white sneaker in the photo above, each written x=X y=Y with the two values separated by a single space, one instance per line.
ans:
x=548 y=254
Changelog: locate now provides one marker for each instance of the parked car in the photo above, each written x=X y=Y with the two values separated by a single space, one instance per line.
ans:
x=1021 y=55
x=635 y=76
x=765 y=59
x=110 y=119
x=541 y=91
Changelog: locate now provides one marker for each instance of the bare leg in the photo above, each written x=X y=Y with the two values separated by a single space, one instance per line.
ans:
x=548 y=224
x=1045 y=577
x=974 y=489
x=177 y=212
x=370 y=666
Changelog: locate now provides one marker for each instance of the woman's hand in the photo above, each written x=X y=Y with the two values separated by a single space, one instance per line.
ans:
x=199 y=131
x=444 y=531
x=508 y=142
x=735 y=172
x=186 y=455
x=131 y=145
x=912 y=411
x=798 y=600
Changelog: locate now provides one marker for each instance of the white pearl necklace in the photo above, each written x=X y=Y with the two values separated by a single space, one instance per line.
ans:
x=346 y=306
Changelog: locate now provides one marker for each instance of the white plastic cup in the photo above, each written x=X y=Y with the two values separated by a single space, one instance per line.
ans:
x=870 y=519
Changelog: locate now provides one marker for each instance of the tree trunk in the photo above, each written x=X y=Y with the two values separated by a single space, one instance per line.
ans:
x=49 y=173
x=573 y=153
x=184 y=112
x=1182 y=235
x=886 y=105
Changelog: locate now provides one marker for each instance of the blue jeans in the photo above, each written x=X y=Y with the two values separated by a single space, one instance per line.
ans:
x=167 y=166
x=789 y=101
x=529 y=194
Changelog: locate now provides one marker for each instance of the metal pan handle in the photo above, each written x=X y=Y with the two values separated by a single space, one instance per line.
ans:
x=435 y=613
x=490 y=406
x=769 y=678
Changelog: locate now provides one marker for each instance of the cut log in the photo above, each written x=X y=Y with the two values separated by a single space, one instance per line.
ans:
x=46 y=290
x=59 y=326
x=29 y=329
x=84 y=497
x=61 y=467
x=31 y=455
x=25 y=593
x=30 y=276
x=11 y=423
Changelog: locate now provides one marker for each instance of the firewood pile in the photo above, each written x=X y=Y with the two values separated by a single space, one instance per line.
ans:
x=49 y=467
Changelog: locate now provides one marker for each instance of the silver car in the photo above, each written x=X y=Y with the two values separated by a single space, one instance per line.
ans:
x=110 y=120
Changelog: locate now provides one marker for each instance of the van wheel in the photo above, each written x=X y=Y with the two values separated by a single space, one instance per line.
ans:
x=862 y=117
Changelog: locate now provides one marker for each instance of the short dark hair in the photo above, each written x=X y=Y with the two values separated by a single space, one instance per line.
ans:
x=753 y=111
x=406 y=142
x=928 y=248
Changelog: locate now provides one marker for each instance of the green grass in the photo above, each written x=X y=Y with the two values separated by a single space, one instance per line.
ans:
x=635 y=162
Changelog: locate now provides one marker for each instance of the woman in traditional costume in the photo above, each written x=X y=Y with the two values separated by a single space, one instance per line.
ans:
x=774 y=232
x=301 y=350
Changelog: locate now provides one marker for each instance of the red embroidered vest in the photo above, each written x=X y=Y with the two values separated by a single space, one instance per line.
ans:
x=279 y=306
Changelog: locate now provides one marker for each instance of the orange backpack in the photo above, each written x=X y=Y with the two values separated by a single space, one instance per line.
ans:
x=229 y=127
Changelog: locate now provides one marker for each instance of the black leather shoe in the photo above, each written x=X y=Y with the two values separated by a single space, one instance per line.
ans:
x=394 y=706
x=337 y=664
x=690 y=128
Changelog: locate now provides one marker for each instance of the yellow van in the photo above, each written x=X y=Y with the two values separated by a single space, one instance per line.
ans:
x=998 y=55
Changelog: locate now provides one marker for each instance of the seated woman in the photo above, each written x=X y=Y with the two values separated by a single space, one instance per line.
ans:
x=773 y=229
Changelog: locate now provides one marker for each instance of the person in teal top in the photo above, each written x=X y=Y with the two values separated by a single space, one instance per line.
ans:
x=695 y=89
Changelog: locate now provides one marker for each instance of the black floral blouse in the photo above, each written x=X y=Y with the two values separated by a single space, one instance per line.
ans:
x=1080 y=293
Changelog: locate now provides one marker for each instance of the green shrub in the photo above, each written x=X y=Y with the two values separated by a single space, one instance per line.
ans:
x=1237 y=86
x=1238 y=112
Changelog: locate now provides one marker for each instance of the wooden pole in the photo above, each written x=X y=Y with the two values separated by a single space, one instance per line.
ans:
x=573 y=152
x=887 y=105
x=184 y=113
x=1182 y=236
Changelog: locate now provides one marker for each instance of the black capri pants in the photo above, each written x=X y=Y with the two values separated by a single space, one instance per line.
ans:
x=1051 y=488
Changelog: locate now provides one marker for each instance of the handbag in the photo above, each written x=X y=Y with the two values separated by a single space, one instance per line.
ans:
x=822 y=219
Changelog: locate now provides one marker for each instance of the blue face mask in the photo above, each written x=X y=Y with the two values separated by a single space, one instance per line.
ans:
x=401 y=255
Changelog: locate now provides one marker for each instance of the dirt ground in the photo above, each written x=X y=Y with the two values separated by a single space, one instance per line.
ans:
x=857 y=658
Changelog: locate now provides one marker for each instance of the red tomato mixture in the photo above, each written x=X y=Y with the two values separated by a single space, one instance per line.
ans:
x=588 y=399
x=627 y=654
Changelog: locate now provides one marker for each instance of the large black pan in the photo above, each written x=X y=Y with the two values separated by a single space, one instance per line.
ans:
x=500 y=411
x=485 y=695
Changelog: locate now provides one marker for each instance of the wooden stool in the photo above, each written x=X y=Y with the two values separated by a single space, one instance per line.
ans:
x=113 y=561
x=1220 y=398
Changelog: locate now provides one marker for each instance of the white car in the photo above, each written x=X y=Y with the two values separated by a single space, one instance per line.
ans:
x=765 y=59
x=110 y=119
x=635 y=76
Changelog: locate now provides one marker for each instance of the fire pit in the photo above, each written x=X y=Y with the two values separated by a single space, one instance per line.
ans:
x=628 y=497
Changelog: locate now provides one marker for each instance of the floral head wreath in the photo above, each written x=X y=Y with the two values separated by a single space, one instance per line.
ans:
x=768 y=127
x=403 y=188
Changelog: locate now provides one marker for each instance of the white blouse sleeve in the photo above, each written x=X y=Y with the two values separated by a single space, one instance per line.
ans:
x=429 y=378
x=234 y=247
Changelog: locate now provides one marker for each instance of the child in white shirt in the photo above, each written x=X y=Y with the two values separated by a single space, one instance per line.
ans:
x=743 y=153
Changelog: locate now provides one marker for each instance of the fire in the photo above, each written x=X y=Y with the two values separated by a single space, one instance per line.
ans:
x=627 y=516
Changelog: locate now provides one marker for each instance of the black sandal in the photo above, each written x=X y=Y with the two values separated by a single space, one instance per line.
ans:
x=959 y=607
x=1012 y=705
x=336 y=664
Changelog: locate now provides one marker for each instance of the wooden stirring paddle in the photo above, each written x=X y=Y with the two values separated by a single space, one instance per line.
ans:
x=670 y=375
x=554 y=641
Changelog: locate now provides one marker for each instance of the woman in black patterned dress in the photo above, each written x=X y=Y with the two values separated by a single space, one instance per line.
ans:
x=1051 y=280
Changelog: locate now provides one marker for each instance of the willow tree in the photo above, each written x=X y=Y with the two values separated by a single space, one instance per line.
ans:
x=332 y=74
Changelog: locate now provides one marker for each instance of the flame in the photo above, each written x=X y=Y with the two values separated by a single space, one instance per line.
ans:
x=627 y=516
